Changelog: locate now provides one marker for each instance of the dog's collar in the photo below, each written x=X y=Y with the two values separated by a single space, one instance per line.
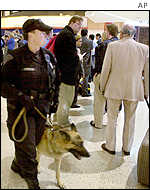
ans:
x=49 y=125
x=52 y=129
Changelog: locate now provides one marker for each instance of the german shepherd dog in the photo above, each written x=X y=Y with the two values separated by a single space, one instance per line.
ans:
x=55 y=143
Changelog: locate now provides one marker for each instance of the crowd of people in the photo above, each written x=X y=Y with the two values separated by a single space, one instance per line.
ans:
x=32 y=75
x=11 y=40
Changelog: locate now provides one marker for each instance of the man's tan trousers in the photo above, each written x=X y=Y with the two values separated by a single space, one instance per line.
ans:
x=66 y=96
x=129 y=123
x=99 y=103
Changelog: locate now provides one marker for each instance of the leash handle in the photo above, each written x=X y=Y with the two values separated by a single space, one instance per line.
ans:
x=22 y=112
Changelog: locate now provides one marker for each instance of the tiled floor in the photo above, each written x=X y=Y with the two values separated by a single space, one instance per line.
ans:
x=100 y=171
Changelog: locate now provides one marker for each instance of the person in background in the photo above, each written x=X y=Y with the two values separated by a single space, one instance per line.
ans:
x=17 y=34
x=22 y=41
x=28 y=77
x=78 y=45
x=91 y=37
x=5 y=48
x=51 y=43
x=111 y=36
x=2 y=47
x=2 y=43
x=68 y=62
x=49 y=37
x=124 y=78
x=86 y=48
x=100 y=119
x=11 y=43
x=104 y=36
x=98 y=38
x=6 y=38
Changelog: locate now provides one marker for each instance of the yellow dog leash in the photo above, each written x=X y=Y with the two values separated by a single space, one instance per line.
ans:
x=23 y=112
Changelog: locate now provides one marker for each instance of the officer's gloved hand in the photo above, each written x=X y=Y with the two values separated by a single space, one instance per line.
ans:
x=26 y=101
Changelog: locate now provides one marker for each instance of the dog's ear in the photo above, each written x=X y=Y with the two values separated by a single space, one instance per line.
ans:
x=73 y=127
x=65 y=135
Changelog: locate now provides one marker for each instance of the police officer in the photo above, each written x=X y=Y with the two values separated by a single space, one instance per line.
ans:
x=28 y=72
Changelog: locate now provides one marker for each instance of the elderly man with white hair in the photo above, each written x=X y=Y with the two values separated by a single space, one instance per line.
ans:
x=124 y=78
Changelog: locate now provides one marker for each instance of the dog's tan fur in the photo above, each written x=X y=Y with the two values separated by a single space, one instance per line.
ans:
x=58 y=142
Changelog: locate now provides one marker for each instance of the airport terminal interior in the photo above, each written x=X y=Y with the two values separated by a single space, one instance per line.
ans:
x=101 y=170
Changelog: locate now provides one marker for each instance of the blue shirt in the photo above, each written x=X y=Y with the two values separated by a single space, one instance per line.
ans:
x=11 y=44
x=110 y=40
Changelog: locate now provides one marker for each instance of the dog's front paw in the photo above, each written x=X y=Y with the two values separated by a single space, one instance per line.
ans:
x=61 y=185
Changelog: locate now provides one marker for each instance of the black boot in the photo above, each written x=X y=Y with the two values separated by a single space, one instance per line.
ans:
x=32 y=183
x=16 y=168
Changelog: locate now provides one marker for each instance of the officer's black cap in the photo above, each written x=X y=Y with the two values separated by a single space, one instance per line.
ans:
x=33 y=24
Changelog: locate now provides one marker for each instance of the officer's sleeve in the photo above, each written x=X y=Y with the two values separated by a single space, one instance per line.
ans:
x=9 y=76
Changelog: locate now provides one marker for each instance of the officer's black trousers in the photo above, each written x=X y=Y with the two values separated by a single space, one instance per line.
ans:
x=25 y=152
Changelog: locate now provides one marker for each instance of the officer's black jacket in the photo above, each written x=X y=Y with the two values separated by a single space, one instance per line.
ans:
x=22 y=73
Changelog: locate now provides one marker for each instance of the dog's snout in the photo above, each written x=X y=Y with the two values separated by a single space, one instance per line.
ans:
x=87 y=154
